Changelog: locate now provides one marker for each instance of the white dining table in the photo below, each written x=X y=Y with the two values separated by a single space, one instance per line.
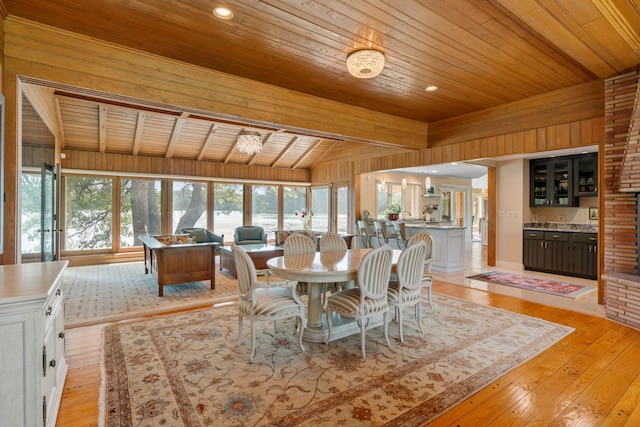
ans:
x=317 y=270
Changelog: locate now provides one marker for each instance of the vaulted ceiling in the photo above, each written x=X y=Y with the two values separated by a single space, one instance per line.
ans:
x=479 y=53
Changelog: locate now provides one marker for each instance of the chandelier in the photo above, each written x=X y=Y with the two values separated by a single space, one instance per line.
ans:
x=249 y=142
x=365 y=63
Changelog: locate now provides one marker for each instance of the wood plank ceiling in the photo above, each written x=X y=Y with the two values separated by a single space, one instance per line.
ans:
x=479 y=53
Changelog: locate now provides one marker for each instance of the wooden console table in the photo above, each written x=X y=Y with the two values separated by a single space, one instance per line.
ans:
x=172 y=264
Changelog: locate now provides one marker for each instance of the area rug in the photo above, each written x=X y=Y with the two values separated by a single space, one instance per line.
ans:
x=102 y=293
x=571 y=290
x=185 y=369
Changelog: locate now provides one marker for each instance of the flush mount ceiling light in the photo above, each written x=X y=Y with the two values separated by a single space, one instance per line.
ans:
x=223 y=12
x=365 y=63
x=249 y=142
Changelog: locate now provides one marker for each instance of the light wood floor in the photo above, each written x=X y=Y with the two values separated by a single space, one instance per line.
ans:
x=591 y=378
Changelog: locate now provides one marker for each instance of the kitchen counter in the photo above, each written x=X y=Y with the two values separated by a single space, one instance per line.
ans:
x=555 y=226
x=448 y=244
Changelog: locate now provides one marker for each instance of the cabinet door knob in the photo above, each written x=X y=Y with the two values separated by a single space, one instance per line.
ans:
x=58 y=292
x=61 y=335
x=52 y=363
x=48 y=312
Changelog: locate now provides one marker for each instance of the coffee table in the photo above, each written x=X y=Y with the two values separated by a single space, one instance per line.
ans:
x=259 y=254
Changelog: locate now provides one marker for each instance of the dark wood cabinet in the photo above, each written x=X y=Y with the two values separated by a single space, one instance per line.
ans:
x=585 y=255
x=566 y=253
x=561 y=181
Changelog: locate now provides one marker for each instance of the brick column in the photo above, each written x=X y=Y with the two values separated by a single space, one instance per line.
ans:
x=622 y=284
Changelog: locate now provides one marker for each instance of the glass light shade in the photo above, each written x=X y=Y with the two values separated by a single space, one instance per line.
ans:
x=427 y=183
x=365 y=63
x=249 y=142
x=404 y=183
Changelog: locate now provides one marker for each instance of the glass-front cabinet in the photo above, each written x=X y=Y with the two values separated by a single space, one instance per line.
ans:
x=551 y=182
x=586 y=175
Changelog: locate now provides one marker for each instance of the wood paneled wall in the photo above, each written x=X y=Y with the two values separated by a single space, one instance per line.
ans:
x=566 y=135
x=571 y=105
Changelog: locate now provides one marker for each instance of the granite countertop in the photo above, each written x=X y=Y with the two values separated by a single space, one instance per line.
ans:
x=561 y=226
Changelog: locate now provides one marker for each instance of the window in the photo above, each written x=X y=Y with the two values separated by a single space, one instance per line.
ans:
x=31 y=201
x=189 y=205
x=295 y=199
x=342 y=209
x=264 y=207
x=227 y=208
x=89 y=213
x=140 y=210
x=391 y=194
x=320 y=208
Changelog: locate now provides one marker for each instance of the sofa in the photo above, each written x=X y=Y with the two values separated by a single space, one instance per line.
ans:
x=202 y=235
x=249 y=235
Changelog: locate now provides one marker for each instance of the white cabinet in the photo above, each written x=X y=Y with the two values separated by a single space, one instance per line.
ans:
x=32 y=363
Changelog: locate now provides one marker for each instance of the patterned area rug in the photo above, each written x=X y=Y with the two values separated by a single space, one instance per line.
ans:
x=570 y=290
x=103 y=293
x=185 y=369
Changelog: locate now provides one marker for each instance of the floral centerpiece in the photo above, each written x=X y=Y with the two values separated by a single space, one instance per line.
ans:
x=393 y=211
x=304 y=215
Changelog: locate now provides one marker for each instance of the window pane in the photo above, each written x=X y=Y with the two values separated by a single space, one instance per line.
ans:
x=342 y=210
x=140 y=210
x=320 y=208
x=89 y=212
x=295 y=199
x=264 y=207
x=227 y=209
x=31 y=201
x=189 y=205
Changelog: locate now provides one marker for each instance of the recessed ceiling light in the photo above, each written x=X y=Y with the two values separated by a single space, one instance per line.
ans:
x=431 y=88
x=223 y=13
x=454 y=163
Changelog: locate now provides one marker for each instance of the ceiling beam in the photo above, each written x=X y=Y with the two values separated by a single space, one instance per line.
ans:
x=307 y=152
x=207 y=141
x=175 y=134
x=265 y=141
x=322 y=156
x=102 y=128
x=283 y=152
x=137 y=138
x=43 y=102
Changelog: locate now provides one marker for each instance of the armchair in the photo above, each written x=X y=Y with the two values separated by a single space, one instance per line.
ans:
x=249 y=234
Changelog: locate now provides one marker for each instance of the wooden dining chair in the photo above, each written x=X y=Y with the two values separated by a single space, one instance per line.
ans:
x=406 y=291
x=369 y=298
x=259 y=301
x=428 y=259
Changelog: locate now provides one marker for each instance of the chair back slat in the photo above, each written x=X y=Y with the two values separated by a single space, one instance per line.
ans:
x=374 y=272
x=298 y=244
x=410 y=265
